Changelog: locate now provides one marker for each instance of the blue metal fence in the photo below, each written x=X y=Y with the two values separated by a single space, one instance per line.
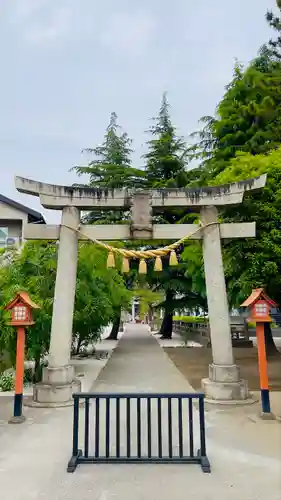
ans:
x=138 y=428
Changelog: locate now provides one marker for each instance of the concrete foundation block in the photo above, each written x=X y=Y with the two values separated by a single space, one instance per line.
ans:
x=224 y=373
x=225 y=385
x=62 y=375
x=53 y=395
x=222 y=391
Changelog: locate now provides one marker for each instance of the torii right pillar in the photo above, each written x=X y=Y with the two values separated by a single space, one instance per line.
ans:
x=224 y=383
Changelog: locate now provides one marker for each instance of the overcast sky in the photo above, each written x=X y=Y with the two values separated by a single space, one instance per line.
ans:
x=66 y=64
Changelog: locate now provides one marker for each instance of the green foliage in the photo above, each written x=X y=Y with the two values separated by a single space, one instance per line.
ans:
x=111 y=169
x=166 y=157
x=193 y=257
x=147 y=299
x=176 y=285
x=28 y=376
x=99 y=290
x=243 y=141
x=166 y=163
x=273 y=48
x=33 y=270
x=248 y=118
x=255 y=262
x=190 y=319
x=253 y=324
x=7 y=381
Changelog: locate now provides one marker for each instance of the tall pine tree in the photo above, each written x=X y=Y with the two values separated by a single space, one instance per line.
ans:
x=166 y=157
x=248 y=118
x=273 y=48
x=111 y=168
x=166 y=162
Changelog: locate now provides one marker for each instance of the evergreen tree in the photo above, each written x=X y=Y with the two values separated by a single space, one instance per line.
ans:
x=166 y=157
x=111 y=169
x=252 y=263
x=176 y=285
x=248 y=118
x=273 y=48
x=166 y=162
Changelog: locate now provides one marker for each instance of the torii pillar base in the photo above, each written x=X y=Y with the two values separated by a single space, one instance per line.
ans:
x=56 y=389
x=224 y=386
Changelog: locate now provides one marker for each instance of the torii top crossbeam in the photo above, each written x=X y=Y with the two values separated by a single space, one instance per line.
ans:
x=84 y=198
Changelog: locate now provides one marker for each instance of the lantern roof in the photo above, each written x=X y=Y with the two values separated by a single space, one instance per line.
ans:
x=258 y=294
x=24 y=298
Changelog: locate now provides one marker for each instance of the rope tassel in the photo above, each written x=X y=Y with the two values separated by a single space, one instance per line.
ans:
x=110 y=260
x=158 y=264
x=125 y=265
x=143 y=254
x=142 y=267
x=173 y=258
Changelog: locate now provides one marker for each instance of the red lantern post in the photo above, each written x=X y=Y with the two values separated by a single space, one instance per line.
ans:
x=259 y=304
x=21 y=307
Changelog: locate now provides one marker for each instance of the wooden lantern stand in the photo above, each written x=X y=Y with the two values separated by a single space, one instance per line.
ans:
x=21 y=307
x=259 y=304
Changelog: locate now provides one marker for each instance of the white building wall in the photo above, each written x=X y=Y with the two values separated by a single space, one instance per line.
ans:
x=14 y=220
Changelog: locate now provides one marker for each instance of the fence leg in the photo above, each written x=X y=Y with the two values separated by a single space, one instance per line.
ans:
x=205 y=464
x=73 y=462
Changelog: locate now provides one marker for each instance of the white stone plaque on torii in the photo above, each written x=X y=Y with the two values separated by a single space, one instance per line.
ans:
x=58 y=384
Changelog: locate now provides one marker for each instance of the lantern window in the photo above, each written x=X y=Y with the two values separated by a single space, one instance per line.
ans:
x=20 y=313
x=261 y=309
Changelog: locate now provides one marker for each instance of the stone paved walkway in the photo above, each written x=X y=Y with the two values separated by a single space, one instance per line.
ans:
x=245 y=453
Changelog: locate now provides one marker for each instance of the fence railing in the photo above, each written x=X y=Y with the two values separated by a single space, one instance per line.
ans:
x=138 y=428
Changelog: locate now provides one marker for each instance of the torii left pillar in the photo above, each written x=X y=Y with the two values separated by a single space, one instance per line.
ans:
x=58 y=382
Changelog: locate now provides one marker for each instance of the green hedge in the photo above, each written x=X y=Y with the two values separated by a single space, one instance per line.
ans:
x=253 y=325
x=190 y=319
x=198 y=319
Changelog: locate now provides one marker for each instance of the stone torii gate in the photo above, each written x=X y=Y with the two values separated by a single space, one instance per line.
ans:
x=58 y=383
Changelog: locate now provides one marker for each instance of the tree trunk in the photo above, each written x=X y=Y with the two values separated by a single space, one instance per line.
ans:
x=115 y=327
x=37 y=377
x=78 y=347
x=166 y=328
x=271 y=349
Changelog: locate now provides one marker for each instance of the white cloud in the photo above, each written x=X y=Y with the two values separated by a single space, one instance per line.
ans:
x=129 y=32
x=56 y=27
x=22 y=9
x=39 y=21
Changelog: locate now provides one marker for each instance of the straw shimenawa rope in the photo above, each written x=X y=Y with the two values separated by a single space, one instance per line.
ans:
x=142 y=255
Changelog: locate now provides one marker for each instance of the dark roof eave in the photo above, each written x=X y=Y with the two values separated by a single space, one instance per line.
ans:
x=32 y=214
